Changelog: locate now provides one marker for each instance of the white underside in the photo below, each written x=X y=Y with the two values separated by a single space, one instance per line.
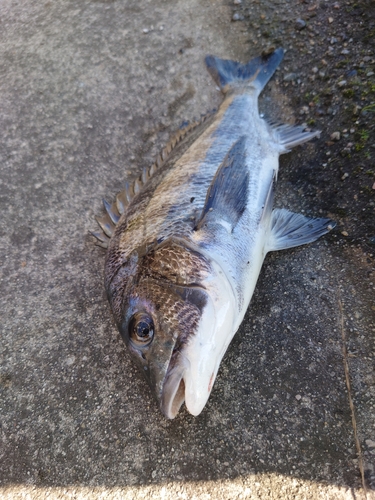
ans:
x=207 y=347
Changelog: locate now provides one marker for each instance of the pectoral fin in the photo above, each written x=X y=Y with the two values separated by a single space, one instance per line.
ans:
x=290 y=230
x=227 y=195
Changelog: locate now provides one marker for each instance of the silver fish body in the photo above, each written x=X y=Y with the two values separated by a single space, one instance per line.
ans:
x=188 y=239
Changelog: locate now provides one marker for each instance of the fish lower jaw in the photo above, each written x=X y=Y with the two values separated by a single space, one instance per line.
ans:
x=176 y=392
x=173 y=394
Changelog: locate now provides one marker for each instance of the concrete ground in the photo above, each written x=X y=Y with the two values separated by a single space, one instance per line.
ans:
x=89 y=93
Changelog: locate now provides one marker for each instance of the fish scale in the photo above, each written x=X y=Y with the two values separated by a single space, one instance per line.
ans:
x=187 y=240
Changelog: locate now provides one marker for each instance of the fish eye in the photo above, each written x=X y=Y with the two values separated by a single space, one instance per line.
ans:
x=141 y=329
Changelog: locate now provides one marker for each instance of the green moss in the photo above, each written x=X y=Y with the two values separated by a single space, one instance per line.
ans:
x=327 y=92
x=367 y=189
x=370 y=107
x=316 y=100
x=370 y=90
x=349 y=93
x=365 y=134
x=361 y=137
x=341 y=212
x=370 y=35
x=342 y=64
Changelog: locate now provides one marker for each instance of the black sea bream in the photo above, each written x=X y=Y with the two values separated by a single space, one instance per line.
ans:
x=187 y=240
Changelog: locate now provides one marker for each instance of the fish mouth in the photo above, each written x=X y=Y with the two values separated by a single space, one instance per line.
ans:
x=181 y=386
x=196 y=357
x=173 y=395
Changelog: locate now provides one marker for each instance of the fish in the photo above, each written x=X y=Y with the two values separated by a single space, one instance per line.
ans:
x=187 y=239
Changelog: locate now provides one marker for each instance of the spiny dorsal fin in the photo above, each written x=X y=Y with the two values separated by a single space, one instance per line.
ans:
x=102 y=239
x=108 y=222
x=112 y=211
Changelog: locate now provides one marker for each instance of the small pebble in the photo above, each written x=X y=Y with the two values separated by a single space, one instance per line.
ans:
x=290 y=77
x=342 y=83
x=345 y=176
x=315 y=69
x=237 y=2
x=145 y=30
x=351 y=73
x=298 y=397
x=330 y=20
x=344 y=233
x=370 y=73
x=69 y=361
x=237 y=17
x=345 y=52
x=336 y=5
x=335 y=136
x=300 y=24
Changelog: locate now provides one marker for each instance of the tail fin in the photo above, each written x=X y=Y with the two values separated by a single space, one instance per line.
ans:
x=258 y=71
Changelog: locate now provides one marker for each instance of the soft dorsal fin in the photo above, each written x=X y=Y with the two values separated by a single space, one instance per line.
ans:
x=289 y=136
x=227 y=195
x=113 y=212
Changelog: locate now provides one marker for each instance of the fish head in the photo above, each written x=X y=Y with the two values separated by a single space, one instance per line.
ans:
x=158 y=320
x=168 y=318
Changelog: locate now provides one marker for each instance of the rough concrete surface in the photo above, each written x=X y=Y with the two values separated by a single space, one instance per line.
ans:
x=89 y=93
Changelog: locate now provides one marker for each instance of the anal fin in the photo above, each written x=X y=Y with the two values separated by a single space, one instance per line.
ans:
x=290 y=230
